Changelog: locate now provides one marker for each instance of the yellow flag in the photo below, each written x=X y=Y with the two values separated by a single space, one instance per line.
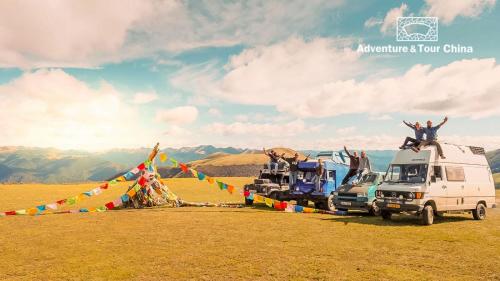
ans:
x=131 y=193
x=121 y=178
x=32 y=211
x=163 y=157
x=210 y=180
x=308 y=210
x=258 y=198
x=195 y=173
x=269 y=202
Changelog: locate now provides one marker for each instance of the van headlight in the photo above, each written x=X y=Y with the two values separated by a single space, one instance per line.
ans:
x=335 y=193
x=411 y=196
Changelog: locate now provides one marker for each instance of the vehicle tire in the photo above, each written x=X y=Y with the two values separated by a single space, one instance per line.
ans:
x=480 y=212
x=374 y=210
x=329 y=206
x=386 y=215
x=248 y=202
x=319 y=205
x=428 y=215
x=302 y=202
x=274 y=195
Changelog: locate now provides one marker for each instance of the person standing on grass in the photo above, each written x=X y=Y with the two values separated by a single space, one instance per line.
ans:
x=319 y=175
x=419 y=136
x=364 y=165
x=294 y=168
x=353 y=165
x=431 y=136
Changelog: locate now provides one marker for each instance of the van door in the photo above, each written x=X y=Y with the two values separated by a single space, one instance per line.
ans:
x=438 y=188
x=455 y=177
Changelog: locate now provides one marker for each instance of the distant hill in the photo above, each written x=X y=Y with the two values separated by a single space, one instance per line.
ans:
x=379 y=159
x=494 y=160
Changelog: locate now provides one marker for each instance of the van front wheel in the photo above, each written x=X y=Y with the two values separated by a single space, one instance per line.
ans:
x=386 y=215
x=480 y=212
x=428 y=215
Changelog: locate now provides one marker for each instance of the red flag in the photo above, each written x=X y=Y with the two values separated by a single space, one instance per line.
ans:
x=142 y=181
x=109 y=205
x=141 y=166
x=104 y=185
x=230 y=188
x=246 y=193
x=184 y=168
x=10 y=213
x=284 y=205
x=60 y=202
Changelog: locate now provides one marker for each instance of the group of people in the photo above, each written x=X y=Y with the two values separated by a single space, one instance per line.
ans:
x=358 y=165
x=430 y=136
x=292 y=163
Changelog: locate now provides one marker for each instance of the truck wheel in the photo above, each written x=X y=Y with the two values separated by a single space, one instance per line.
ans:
x=374 y=210
x=319 y=205
x=329 y=206
x=480 y=212
x=428 y=215
x=248 y=202
x=274 y=195
x=386 y=215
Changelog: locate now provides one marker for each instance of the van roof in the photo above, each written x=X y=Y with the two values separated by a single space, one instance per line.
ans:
x=459 y=154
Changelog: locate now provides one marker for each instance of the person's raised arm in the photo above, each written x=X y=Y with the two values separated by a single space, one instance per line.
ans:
x=265 y=152
x=409 y=124
x=307 y=157
x=368 y=164
x=348 y=154
x=444 y=121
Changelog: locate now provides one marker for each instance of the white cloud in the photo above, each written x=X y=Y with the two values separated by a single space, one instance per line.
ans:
x=177 y=115
x=388 y=24
x=52 y=108
x=270 y=130
x=317 y=79
x=143 y=98
x=380 y=117
x=65 y=33
x=447 y=11
x=90 y=33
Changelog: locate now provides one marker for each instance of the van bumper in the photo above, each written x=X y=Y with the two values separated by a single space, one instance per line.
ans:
x=397 y=207
x=351 y=205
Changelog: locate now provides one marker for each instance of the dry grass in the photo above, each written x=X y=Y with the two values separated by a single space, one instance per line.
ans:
x=234 y=244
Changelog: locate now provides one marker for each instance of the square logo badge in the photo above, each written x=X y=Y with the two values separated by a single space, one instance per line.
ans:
x=417 y=29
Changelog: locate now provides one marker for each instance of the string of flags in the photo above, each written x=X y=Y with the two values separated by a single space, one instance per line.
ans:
x=269 y=202
x=55 y=206
x=52 y=208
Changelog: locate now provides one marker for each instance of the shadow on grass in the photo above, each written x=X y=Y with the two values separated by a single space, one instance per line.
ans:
x=396 y=220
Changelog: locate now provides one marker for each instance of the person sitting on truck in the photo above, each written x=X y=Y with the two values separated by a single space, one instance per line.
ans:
x=431 y=136
x=294 y=168
x=419 y=136
x=273 y=160
x=318 y=176
x=353 y=166
x=364 y=165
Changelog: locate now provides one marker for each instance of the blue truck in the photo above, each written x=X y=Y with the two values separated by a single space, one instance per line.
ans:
x=335 y=168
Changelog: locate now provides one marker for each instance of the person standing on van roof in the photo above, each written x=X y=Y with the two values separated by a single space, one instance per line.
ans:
x=419 y=136
x=353 y=165
x=319 y=175
x=273 y=160
x=364 y=165
x=294 y=168
x=431 y=136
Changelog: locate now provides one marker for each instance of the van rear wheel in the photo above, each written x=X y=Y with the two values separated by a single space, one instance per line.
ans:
x=374 y=210
x=480 y=212
x=428 y=215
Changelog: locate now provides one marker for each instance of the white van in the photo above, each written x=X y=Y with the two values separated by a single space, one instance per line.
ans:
x=424 y=184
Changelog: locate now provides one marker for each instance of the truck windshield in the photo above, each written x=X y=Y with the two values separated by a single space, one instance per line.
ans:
x=406 y=173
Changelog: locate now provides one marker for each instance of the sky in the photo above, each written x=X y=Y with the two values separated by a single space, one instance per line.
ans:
x=95 y=75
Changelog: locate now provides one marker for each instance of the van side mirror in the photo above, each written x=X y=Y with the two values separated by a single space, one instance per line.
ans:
x=433 y=178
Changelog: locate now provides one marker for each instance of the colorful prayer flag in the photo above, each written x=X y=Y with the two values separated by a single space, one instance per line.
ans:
x=210 y=180
x=131 y=193
x=10 y=213
x=88 y=193
x=118 y=202
x=84 y=210
x=135 y=170
x=246 y=193
x=101 y=209
x=104 y=185
x=194 y=172
x=61 y=202
x=111 y=182
x=298 y=209
x=230 y=189
x=41 y=208
x=52 y=206
x=121 y=178
x=141 y=167
x=125 y=198
x=71 y=200
x=109 y=205
x=174 y=162
x=163 y=157
x=21 y=212
x=201 y=176
x=142 y=181
x=257 y=198
x=269 y=202
x=184 y=168
x=32 y=211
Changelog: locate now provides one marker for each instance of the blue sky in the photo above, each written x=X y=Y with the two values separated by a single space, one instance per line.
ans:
x=90 y=75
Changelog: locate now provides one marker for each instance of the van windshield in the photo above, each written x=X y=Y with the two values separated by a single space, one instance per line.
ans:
x=406 y=173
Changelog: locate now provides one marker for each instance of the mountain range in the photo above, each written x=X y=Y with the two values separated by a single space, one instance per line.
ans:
x=49 y=165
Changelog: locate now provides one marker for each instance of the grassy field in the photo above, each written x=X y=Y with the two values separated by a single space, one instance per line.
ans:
x=234 y=244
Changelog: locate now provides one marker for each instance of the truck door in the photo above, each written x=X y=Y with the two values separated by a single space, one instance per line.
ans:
x=330 y=184
x=455 y=178
x=438 y=190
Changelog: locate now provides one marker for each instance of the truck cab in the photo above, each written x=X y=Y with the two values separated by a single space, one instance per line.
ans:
x=269 y=184
x=426 y=185
x=305 y=188
x=359 y=195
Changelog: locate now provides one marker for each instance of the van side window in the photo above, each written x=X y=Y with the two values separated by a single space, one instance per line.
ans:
x=438 y=173
x=330 y=175
x=455 y=173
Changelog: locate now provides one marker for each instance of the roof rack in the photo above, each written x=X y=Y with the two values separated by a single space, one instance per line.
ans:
x=477 y=150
